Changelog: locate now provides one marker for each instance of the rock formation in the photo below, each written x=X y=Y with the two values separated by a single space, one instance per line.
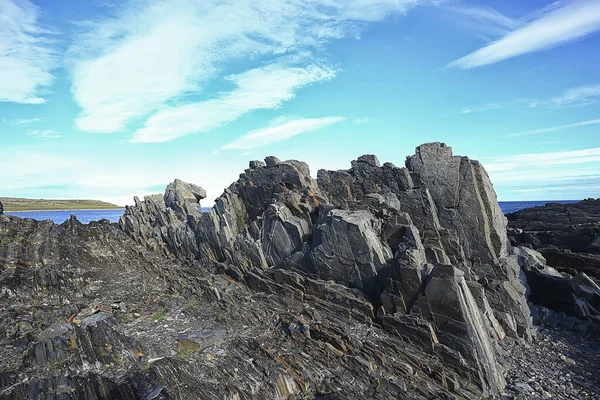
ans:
x=1 y=208
x=372 y=282
x=392 y=233
x=567 y=235
x=558 y=245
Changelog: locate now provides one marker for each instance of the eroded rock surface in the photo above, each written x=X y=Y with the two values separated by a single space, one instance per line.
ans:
x=567 y=235
x=557 y=248
x=373 y=282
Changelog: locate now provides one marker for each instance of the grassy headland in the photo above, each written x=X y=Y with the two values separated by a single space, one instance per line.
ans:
x=19 y=204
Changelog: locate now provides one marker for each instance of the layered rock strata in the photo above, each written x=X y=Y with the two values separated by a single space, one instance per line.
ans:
x=391 y=233
x=567 y=235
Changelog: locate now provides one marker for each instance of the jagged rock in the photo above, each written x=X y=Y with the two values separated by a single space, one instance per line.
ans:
x=466 y=201
x=567 y=235
x=461 y=326
x=1 y=208
x=180 y=194
x=347 y=249
x=351 y=270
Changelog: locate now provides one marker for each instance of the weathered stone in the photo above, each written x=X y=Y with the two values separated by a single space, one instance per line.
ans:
x=348 y=250
x=568 y=235
x=180 y=195
x=461 y=326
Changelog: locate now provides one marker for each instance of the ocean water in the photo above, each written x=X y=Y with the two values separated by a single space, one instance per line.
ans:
x=86 y=216
x=512 y=206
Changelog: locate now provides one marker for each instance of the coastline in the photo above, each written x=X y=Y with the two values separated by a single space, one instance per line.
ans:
x=65 y=209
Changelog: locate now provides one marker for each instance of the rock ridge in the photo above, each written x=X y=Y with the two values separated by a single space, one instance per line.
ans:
x=392 y=233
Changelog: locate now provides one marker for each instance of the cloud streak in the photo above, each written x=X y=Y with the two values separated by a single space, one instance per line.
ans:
x=44 y=133
x=486 y=107
x=571 y=21
x=26 y=57
x=149 y=57
x=556 y=128
x=579 y=96
x=261 y=88
x=483 y=19
x=570 y=174
x=281 y=129
x=24 y=121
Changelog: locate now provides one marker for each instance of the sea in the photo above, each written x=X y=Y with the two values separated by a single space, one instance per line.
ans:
x=86 y=216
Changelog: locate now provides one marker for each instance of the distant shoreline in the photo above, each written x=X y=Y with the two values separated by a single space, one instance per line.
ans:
x=66 y=209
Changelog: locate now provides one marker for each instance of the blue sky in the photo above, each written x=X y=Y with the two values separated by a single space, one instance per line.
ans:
x=111 y=99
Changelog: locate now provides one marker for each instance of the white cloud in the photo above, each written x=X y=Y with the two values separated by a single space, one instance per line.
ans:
x=25 y=121
x=542 y=160
x=280 y=129
x=152 y=54
x=360 y=121
x=556 y=128
x=264 y=88
x=482 y=19
x=568 y=174
x=44 y=133
x=26 y=57
x=486 y=107
x=578 y=96
x=570 y=21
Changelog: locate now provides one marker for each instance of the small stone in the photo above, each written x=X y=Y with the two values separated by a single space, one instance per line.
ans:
x=524 y=387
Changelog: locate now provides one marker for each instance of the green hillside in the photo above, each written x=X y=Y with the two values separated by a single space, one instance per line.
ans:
x=19 y=204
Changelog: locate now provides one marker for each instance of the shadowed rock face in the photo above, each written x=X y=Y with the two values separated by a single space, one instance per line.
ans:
x=558 y=246
x=374 y=282
x=567 y=235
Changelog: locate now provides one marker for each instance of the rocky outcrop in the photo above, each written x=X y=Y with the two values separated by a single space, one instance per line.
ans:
x=1 y=208
x=386 y=231
x=557 y=248
x=88 y=313
x=567 y=235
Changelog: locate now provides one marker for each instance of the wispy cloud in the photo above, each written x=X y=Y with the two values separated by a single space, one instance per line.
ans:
x=574 y=97
x=24 y=121
x=261 y=88
x=569 y=21
x=280 y=129
x=44 y=133
x=26 y=56
x=360 y=121
x=486 y=107
x=556 y=128
x=572 y=174
x=541 y=160
x=182 y=45
x=485 y=20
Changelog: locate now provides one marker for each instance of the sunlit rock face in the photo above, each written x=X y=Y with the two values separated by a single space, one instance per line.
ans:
x=392 y=233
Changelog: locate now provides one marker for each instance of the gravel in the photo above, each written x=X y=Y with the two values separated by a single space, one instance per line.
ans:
x=557 y=365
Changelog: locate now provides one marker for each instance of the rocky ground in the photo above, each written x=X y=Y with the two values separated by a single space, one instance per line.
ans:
x=377 y=282
x=567 y=235
x=558 y=364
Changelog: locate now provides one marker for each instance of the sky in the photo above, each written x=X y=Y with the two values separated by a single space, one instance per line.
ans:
x=111 y=99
